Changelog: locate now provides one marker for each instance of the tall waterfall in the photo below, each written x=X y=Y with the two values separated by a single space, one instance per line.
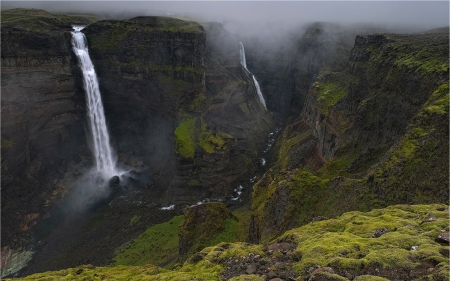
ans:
x=244 y=65
x=104 y=159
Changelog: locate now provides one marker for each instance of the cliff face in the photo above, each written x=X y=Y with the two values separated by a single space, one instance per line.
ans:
x=178 y=105
x=42 y=117
x=179 y=110
x=378 y=127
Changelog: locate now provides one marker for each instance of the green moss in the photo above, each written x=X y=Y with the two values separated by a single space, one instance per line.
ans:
x=284 y=157
x=206 y=225
x=338 y=165
x=329 y=276
x=199 y=103
x=156 y=245
x=230 y=233
x=423 y=58
x=249 y=277
x=347 y=243
x=344 y=243
x=329 y=94
x=211 y=142
x=193 y=182
x=134 y=219
x=36 y=20
x=114 y=32
x=184 y=135
x=369 y=278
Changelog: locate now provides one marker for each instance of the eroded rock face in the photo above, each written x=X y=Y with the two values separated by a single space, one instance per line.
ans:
x=42 y=122
x=200 y=223
x=156 y=76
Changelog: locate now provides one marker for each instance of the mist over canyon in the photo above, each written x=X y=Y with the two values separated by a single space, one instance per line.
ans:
x=225 y=141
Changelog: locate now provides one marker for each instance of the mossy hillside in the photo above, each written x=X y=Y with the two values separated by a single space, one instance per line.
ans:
x=330 y=93
x=41 y=21
x=420 y=54
x=115 y=32
x=206 y=225
x=421 y=149
x=346 y=243
x=193 y=133
x=157 y=245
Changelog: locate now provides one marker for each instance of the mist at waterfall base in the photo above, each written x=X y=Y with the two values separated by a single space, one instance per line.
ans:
x=95 y=187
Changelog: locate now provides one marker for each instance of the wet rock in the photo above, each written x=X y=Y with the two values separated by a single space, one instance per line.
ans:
x=379 y=232
x=444 y=237
x=114 y=181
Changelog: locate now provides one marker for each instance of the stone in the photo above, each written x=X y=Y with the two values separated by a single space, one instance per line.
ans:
x=414 y=248
x=279 y=265
x=276 y=279
x=251 y=269
x=444 y=237
x=272 y=274
x=114 y=181
x=281 y=247
x=319 y=218
x=379 y=232
x=324 y=269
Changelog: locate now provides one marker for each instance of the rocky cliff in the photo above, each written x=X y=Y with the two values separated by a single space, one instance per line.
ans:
x=181 y=114
x=42 y=117
x=375 y=126
x=178 y=104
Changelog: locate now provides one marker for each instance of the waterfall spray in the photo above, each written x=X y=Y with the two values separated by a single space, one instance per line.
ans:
x=104 y=159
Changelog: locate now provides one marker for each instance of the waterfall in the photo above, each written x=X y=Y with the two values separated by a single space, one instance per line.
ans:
x=249 y=74
x=258 y=91
x=103 y=153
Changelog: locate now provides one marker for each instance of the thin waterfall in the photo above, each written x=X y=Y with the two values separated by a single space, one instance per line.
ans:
x=104 y=159
x=248 y=73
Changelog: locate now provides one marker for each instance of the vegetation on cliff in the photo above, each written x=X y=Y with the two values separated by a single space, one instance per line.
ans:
x=367 y=135
x=397 y=242
x=41 y=21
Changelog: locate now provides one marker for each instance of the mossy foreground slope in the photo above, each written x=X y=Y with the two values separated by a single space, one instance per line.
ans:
x=396 y=243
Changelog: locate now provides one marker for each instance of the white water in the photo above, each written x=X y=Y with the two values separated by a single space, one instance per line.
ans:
x=258 y=90
x=104 y=159
x=244 y=65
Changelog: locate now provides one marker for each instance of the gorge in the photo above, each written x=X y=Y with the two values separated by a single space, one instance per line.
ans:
x=339 y=172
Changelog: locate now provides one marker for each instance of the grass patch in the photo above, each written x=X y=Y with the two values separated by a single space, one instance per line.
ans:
x=329 y=94
x=155 y=246
x=184 y=135
x=134 y=219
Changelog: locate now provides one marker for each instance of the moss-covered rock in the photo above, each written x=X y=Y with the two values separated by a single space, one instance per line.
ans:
x=205 y=225
x=336 y=249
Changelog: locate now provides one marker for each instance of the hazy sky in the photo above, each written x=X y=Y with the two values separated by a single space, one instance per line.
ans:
x=418 y=14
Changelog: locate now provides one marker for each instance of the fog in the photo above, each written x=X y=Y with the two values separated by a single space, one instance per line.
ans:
x=419 y=15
